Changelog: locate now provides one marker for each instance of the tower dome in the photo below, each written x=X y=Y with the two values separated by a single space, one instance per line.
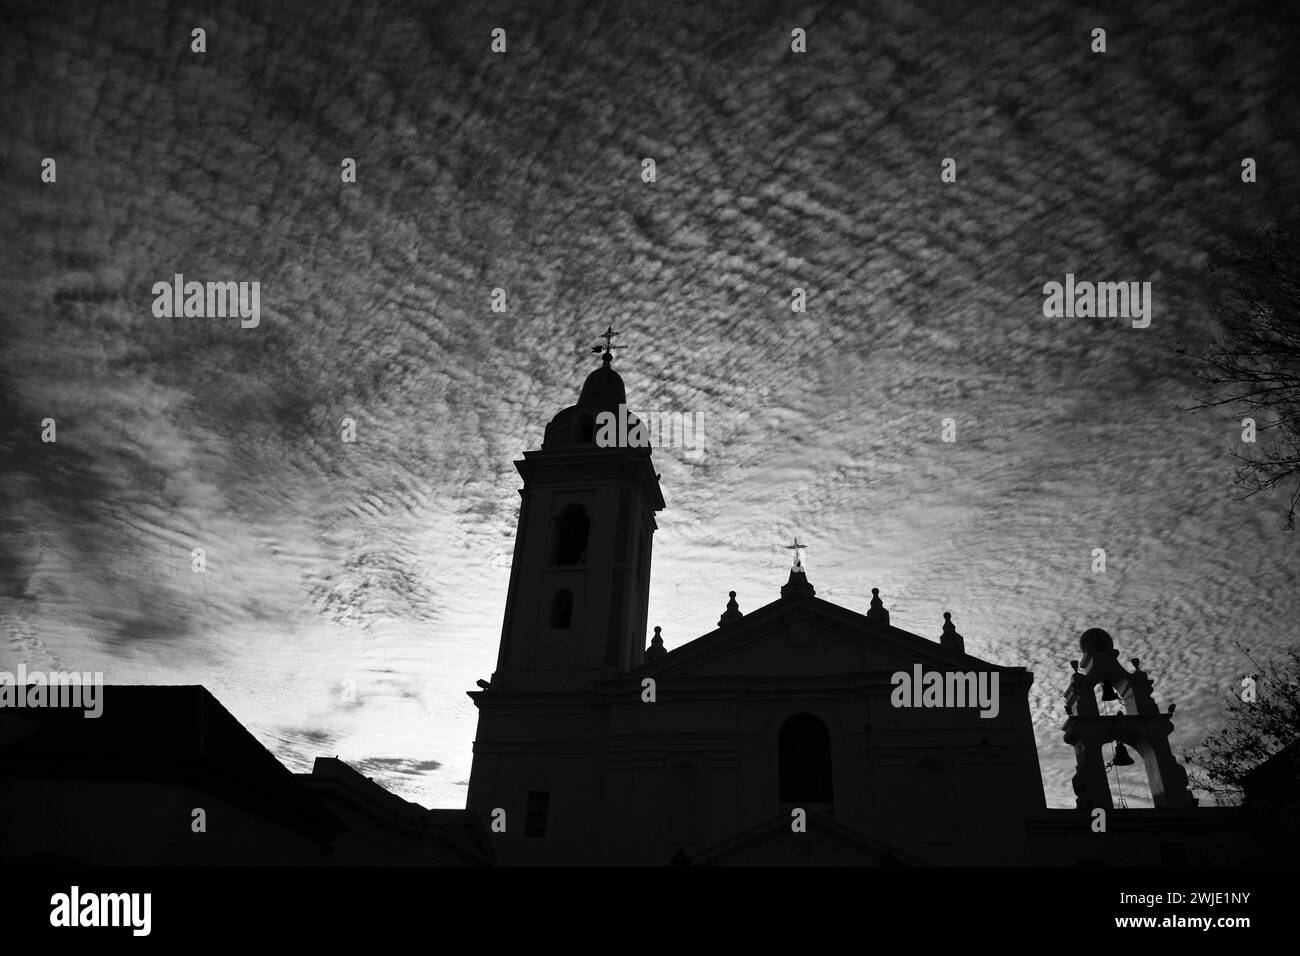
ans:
x=604 y=387
x=602 y=392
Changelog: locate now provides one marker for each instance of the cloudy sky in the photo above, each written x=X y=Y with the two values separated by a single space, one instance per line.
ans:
x=385 y=562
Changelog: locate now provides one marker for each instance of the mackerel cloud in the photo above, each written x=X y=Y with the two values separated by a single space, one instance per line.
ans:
x=384 y=561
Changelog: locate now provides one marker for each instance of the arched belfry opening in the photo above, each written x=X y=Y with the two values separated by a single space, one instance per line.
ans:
x=804 y=753
x=571 y=529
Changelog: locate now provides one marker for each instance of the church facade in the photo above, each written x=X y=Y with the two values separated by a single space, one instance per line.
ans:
x=800 y=732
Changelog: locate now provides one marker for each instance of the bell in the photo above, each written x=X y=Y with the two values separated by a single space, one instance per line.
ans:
x=1108 y=692
x=1122 y=758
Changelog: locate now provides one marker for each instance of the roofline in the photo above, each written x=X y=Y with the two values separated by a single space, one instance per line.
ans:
x=792 y=604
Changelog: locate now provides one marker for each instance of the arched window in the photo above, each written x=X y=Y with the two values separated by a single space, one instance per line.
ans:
x=571 y=535
x=805 y=755
x=561 y=610
x=931 y=799
x=684 y=803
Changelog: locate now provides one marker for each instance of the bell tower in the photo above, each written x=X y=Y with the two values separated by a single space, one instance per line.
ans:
x=1141 y=726
x=580 y=579
x=575 y=614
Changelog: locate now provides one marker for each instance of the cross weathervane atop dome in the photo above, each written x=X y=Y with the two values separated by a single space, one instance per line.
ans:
x=608 y=348
x=798 y=548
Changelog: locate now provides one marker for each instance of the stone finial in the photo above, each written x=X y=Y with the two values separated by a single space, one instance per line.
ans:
x=656 y=649
x=797 y=582
x=949 y=638
x=877 y=614
x=732 y=613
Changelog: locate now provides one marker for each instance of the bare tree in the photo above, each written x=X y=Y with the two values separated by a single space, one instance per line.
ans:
x=1262 y=719
x=1254 y=365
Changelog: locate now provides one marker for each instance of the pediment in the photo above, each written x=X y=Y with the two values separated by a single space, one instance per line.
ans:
x=806 y=636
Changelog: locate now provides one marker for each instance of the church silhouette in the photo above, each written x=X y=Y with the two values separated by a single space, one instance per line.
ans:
x=797 y=733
